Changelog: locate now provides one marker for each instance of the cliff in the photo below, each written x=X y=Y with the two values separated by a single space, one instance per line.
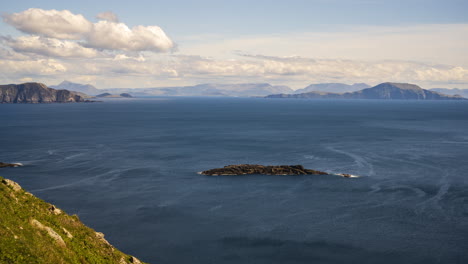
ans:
x=35 y=232
x=388 y=91
x=36 y=93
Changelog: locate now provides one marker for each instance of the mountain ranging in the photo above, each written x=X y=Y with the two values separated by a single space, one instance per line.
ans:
x=333 y=88
x=389 y=91
x=76 y=87
x=36 y=93
x=240 y=90
x=453 y=91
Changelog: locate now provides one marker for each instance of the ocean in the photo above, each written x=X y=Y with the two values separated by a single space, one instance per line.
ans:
x=128 y=168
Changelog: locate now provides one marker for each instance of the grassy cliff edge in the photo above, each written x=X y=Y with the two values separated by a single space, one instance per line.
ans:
x=34 y=231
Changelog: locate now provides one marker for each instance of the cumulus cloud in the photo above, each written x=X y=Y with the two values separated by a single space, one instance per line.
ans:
x=106 y=34
x=50 y=47
x=118 y=36
x=51 y=23
x=108 y=16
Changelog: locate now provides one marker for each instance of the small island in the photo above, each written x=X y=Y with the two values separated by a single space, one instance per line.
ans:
x=108 y=95
x=13 y=165
x=246 y=169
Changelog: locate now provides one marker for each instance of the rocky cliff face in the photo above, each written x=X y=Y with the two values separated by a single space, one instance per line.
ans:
x=36 y=93
x=389 y=91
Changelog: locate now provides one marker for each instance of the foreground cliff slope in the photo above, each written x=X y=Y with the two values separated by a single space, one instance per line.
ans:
x=35 y=232
x=389 y=91
x=36 y=93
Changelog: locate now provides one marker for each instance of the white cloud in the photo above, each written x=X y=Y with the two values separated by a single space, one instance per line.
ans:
x=108 y=16
x=50 y=23
x=118 y=36
x=50 y=47
x=106 y=34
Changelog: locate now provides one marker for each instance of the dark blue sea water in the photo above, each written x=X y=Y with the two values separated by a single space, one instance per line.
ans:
x=128 y=168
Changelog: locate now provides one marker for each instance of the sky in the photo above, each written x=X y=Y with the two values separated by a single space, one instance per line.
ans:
x=123 y=44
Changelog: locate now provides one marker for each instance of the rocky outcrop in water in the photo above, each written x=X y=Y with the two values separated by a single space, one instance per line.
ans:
x=13 y=165
x=108 y=95
x=34 y=93
x=243 y=169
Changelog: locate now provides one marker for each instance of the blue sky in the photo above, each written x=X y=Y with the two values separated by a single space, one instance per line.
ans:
x=261 y=16
x=246 y=40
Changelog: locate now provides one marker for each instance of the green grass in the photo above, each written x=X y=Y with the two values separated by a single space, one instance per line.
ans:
x=22 y=242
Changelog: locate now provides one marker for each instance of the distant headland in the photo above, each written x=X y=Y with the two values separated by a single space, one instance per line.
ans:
x=386 y=91
x=34 y=93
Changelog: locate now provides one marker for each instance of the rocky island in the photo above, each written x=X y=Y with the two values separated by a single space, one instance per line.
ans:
x=244 y=169
x=108 y=95
x=250 y=169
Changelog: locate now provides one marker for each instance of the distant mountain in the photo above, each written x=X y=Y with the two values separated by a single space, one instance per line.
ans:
x=36 y=93
x=453 y=91
x=390 y=91
x=333 y=88
x=76 y=87
x=241 y=90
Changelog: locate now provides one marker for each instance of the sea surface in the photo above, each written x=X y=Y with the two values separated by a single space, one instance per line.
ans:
x=128 y=168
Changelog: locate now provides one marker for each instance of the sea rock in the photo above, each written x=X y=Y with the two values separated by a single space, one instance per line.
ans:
x=243 y=169
x=13 y=165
